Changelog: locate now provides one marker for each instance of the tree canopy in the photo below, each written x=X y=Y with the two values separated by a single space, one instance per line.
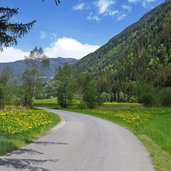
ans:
x=9 y=32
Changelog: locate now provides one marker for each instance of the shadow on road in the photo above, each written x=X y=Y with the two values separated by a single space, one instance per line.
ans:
x=20 y=164
x=49 y=143
x=27 y=164
x=24 y=150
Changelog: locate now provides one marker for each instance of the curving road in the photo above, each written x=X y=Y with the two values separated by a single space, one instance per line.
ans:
x=82 y=143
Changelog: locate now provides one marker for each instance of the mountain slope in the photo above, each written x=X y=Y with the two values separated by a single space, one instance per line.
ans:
x=138 y=51
x=18 y=67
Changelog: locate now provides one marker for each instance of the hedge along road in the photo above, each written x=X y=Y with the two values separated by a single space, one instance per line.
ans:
x=83 y=143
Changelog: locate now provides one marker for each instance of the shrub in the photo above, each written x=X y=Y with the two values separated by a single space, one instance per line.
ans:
x=152 y=96
x=82 y=105
x=165 y=97
x=147 y=95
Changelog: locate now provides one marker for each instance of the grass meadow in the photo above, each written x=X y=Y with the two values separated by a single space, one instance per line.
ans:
x=151 y=125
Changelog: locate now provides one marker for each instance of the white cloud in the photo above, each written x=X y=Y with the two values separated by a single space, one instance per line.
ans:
x=68 y=47
x=112 y=13
x=121 y=17
x=63 y=47
x=12 y=54
x=51 y=36
x=127 y=7
x=93 y=17
x=144 y=3
x=99 y=9
x=43 y=35
x=105 y=7
x=79 y=6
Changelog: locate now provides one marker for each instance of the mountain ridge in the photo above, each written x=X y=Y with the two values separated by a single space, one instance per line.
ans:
x=18 y=67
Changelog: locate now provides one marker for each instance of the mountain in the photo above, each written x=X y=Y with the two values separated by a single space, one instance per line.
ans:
x=140 y=52
x=19 y=67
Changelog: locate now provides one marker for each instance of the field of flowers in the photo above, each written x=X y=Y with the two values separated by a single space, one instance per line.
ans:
x=18 y=127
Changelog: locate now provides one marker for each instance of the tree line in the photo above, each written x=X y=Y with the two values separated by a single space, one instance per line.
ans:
x=69 y=84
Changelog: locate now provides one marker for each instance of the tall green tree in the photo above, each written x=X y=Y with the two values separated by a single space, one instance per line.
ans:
x=89 y=92
x=28 y=87
x=65 y=86
x=86 y=89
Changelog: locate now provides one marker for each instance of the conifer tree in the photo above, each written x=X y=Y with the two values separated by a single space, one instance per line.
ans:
x=10 y=32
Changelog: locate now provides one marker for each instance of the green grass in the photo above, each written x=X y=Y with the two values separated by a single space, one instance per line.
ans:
x=52 y=103
x=19 y=127
x=49 y=103
x=151 y=125
x=111 y=105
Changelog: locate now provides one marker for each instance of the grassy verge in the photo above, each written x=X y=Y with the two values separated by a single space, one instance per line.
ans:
x=18 y=127
x=151 y=125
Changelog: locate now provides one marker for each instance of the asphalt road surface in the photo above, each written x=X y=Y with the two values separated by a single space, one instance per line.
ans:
x=81 y=143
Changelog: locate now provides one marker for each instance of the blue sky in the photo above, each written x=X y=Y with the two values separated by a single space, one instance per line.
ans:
x=75 y=27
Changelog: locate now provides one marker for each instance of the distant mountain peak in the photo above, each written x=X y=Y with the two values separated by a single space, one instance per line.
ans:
x=18 y=67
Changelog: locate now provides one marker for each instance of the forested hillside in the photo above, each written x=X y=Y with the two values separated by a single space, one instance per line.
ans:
x=141 y=53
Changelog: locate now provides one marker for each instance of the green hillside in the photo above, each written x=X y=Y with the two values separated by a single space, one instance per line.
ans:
x=142 y=52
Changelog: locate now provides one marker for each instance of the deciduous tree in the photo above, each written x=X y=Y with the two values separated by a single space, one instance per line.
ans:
x=65 y=86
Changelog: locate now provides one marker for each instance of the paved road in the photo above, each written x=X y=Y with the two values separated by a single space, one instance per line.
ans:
x=83 y=143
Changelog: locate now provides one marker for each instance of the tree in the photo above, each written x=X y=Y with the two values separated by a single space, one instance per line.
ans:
x=86 y=90
x=6 y=86
x=37 y=60
x=49 y=90
x=36 y=63
x=10 y=32
x=65 y=86
x=27 y=87
x=89 y=92
x=3 y=83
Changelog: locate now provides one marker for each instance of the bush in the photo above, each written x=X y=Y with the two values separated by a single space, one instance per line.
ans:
x=147 y=95
x=133 y=99
x=82 y=105
x=105 y=97
x=152 y=96
x=165 y=97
